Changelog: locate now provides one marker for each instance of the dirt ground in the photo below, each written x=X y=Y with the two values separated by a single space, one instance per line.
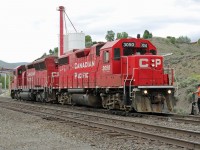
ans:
x=20 y=131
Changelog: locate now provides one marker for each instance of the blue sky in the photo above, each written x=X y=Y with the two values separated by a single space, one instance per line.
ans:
x=30 y=28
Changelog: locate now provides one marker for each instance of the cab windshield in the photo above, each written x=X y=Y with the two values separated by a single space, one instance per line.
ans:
x=133 y=51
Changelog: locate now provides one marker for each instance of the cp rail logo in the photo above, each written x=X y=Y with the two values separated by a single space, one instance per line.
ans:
x=144 y=62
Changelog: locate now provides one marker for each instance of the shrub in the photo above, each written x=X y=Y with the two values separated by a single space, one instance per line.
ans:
x=184 y=64
x=171 y=39
x=180 y=111
x=183 y=39
x=190 y=97
x=198 y=41
x=187 y=82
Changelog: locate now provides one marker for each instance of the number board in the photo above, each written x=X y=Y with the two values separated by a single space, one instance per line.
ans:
x=128 y=44
x=144 y=45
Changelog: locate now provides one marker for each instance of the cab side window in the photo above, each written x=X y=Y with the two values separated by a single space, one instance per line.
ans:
x=106 y=56
x=117 y=54
x=19 y=72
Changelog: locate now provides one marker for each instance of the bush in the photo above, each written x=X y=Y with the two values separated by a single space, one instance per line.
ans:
x=189 y=81
x=196 y=76
x=177 y=46
x=190 y=97
x=180 y=111
x=190 y=89
x=183 y=39
x=184 y=64
x=171 y=39
x=198 y=41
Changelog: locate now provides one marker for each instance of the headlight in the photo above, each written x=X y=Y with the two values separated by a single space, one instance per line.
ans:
x=169 y=91
x=145 y=92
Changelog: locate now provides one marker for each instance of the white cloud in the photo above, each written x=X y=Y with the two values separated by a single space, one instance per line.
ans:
x=30 y=28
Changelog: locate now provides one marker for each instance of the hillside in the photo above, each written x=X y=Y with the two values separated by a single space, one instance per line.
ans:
x=10 y=65
x=186 y=62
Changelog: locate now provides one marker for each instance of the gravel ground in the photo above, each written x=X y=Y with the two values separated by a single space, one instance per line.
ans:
x=19 y=131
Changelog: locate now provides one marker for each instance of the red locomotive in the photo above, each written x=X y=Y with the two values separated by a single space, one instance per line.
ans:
x=36 y=81
x=125 y=74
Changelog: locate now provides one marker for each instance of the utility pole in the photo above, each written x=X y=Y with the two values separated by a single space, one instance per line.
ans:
x=5 y=82
x=9 y=83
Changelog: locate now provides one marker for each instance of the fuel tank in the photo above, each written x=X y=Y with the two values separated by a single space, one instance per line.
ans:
x=25 y=95
x=87 y=100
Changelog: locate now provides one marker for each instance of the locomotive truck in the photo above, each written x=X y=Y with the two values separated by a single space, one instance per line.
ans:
x=125 y=74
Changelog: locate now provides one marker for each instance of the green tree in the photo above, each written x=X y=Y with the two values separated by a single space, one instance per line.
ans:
x=55 y=50
x=2 y=80
x=119 y=36
x=173 y=40
x=110 y=36
x=147 y=34
x=122 y=35
x=88 y=41
x=50 y=52
x=183 y=39
x=150 y=35
x=94 y=42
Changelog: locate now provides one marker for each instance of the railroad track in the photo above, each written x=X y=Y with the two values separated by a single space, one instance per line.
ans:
x=187 y=119
x=164 y=134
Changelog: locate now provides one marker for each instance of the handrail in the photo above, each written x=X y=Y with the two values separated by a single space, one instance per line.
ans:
x=131 y=81
x=126 y=75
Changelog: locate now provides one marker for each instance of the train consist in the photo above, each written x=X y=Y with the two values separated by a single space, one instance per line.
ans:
x=125 y=74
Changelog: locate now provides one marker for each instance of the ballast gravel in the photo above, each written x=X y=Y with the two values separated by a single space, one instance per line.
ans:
x=20 y=131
